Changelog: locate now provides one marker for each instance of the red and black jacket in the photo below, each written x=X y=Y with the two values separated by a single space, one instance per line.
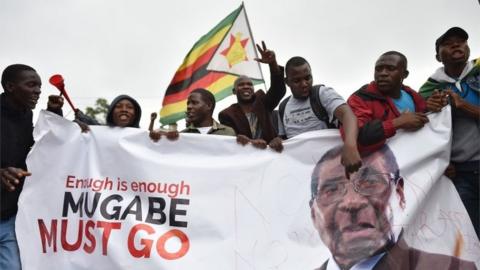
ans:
x=375 y=113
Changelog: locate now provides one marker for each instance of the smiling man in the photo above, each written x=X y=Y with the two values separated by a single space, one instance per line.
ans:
x=21 y=85
x=251 y=116
x=386 y=104
x=124 y=111
x=355 y=216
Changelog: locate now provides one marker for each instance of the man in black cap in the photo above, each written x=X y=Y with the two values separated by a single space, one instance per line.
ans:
x=459 y=81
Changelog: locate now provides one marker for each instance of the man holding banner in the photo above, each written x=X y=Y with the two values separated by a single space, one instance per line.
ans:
x=386 y=105
x=354 y=217
x=459 y=79
x=200 y=106
x=21 y=85
x=251 y=116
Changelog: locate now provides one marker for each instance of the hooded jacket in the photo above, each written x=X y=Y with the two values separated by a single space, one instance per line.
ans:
x=138 y=111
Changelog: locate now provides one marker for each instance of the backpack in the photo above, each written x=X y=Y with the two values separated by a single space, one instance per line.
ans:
x=316 y=105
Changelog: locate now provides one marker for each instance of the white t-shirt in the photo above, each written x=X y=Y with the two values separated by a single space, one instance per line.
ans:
x=204 y=130
x=299 y=116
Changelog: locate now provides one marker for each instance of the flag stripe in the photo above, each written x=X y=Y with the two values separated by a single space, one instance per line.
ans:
x=217 y=84
x=198 y=75
x=185 y=73
x=199 y=50
x=203 y=82
x=172 y=118
x=221 y=88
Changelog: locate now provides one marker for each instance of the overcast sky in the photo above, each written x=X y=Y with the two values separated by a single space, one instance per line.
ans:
x=107 y=48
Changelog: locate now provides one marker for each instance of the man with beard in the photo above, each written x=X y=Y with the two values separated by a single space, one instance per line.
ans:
x=386 y=104
x=251 y=116
x=200 y=106
x=354 y=217
x=21 y=85
x=459 y=80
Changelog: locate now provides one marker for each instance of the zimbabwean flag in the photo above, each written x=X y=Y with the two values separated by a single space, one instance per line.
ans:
x=214 y=62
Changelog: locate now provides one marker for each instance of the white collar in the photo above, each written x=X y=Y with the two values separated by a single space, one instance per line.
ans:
x=441 y=76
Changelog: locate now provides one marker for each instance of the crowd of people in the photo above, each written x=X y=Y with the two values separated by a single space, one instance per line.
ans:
x=366 y=119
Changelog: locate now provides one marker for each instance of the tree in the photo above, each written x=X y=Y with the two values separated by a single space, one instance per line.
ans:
x=99 y=110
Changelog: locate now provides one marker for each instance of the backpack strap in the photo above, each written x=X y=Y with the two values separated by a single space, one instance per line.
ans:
x=281 y=108
x=318 y=108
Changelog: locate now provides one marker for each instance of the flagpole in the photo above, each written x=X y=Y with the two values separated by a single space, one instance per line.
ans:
x=254 y=44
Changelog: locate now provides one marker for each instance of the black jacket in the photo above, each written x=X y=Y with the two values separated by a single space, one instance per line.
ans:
x=263 y=107
x=16 y=139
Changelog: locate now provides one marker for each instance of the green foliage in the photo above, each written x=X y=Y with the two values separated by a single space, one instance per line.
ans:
x=99 y=110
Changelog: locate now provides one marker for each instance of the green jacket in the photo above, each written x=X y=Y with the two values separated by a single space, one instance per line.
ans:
x=439 y=80
x=465 y=128
x=217 y=129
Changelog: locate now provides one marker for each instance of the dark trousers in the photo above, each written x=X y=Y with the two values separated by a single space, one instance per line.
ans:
x=466 y=182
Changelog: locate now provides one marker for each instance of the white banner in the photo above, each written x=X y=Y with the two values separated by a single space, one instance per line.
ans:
x=113 y=199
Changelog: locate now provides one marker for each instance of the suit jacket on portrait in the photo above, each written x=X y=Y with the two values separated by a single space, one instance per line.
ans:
x=403 y=257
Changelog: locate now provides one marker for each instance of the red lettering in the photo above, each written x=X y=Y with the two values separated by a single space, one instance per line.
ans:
x=134 y=186
x=107 y=229
x=181 y=252
x=151 y=187
x=89 y=235
x=186 y=187
x=48 y=236
x=147 y=243
x=65 y=245
x=70 y=181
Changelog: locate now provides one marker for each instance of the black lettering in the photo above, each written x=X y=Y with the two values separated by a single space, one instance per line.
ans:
x=138 y=209
x=174 y=212
x=152 y=201
x=116 y=209
x=96 y=198
x=69 y=201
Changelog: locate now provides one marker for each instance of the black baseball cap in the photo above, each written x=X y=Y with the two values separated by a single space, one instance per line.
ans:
x=452 y=32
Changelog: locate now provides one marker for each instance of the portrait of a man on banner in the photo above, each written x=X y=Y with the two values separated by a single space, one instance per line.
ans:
x=357 y=217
